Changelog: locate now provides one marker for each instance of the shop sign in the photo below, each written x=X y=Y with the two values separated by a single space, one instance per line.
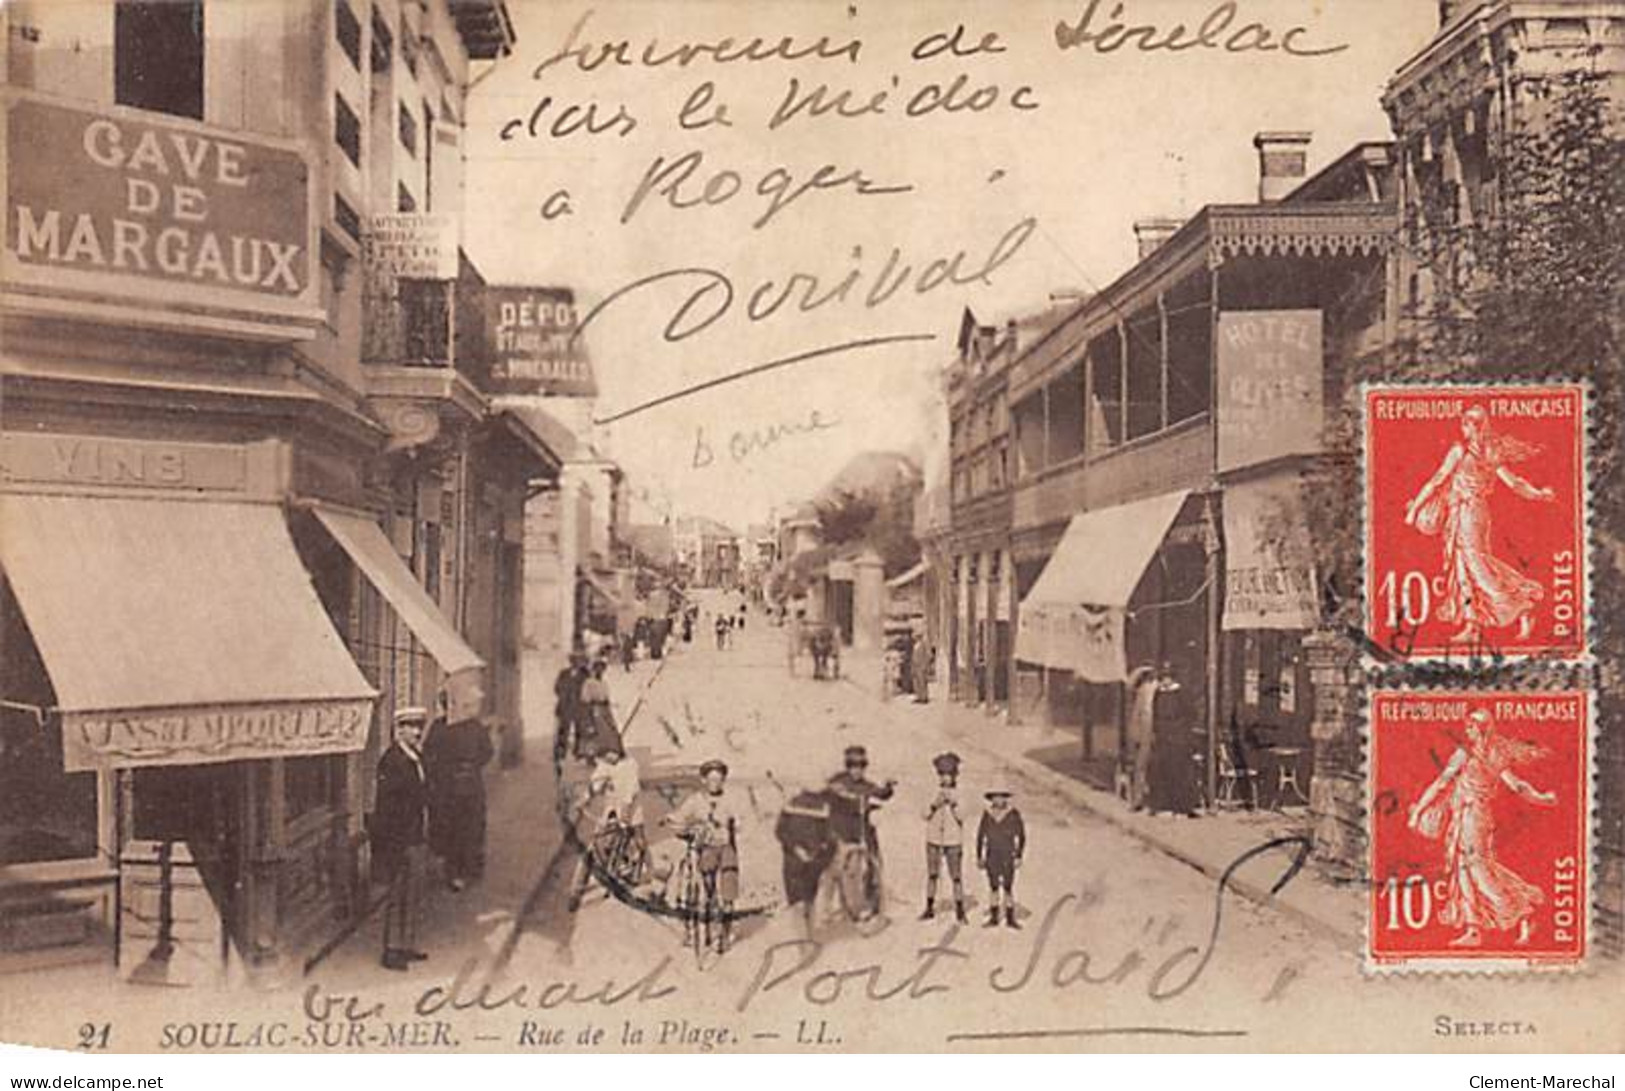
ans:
x=1086 y=640
x=1269 y=565
x=1269 y=372
x=533 y=342
x=92 y=461
x=124 y=203
x=412 y=246
x=208 y=734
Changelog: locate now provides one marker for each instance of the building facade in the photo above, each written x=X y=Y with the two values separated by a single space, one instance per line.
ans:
x=230 y=396
x=1162 y=431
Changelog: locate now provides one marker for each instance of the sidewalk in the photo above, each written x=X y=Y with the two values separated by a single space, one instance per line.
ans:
x=1212 y=843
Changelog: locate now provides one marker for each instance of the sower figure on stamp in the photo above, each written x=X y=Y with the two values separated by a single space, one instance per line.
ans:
x=1481 y=892
x=945 y=837
x=1481 y=590
x=1001 y=840
x=455 y=755
x=398 y=828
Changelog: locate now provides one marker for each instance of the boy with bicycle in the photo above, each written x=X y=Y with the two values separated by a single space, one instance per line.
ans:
x=710 y=819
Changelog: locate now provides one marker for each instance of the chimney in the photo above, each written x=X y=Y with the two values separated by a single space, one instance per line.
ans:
x=1283 y=162
x=1153 y=232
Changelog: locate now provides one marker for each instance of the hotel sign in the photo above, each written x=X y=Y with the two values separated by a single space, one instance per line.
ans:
x=130 y=206
x=533 y=342
x=1269 y=373
x=199 y=736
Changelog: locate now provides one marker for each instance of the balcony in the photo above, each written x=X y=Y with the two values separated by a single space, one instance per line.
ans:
x=429 y=324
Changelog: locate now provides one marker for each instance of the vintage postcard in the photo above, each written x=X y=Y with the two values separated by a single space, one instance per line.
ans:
x=535 y=526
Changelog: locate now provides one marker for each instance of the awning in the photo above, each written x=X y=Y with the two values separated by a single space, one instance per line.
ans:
x=373 y=554
x=178 y=632
x=1269 y=566
x=1074 y=616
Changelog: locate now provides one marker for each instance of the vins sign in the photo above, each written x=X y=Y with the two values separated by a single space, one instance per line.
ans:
x=534 y=347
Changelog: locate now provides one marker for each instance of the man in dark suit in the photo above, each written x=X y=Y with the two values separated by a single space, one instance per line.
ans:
x=398 y=828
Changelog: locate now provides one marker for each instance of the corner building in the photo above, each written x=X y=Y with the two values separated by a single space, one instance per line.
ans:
x=254 y=496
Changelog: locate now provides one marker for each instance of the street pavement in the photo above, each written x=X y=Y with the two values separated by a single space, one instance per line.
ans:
x=1129 y=940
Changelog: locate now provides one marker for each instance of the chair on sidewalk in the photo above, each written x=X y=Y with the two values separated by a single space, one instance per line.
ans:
x=1238 y=783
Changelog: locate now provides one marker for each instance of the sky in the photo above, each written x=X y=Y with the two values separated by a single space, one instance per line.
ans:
x=684 y=230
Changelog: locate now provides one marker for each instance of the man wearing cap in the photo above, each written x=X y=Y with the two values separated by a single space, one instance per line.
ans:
x=711 y=819
x=945 y=837
x=397 y=827
x=853 y=796
x=1001 y=840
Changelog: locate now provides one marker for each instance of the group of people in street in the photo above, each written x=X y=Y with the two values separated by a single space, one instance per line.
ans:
x=430 y=802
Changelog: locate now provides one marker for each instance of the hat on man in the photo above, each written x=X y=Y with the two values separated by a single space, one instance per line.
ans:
x=856 y=755
x=412 y=714
x=947 y=763
x=998 y=793
x=714 y=765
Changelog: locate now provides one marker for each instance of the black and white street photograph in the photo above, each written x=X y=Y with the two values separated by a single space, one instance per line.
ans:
x=820 y=527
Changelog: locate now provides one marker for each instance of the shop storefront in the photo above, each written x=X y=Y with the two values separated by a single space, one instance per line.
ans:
x=180 y=708
x=1125 y=591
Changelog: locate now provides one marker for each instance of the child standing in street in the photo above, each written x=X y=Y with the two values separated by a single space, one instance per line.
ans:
x=945 y=837
x=1001 y=839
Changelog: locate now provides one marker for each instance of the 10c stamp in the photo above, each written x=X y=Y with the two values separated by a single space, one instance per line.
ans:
x=1475 y=521
x=1479 y=814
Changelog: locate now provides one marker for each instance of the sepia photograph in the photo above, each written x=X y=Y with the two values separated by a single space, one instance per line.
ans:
x=814 y=527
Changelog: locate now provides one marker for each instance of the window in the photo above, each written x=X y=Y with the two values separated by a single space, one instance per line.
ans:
x=45 y=813
x=346 y=130
x=1144 y=375
x=346 y=217
x=383 y=44
x=428 y=158
x=348 y=32
x=1190 y=349
x=1029 y=428
x=158 y=56
x=1106 y=404
x=404 y=202
x=408 y=130
x=1066 y=415
x=309 y=783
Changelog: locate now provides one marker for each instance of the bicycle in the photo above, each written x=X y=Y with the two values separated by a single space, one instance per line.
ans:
x=858 y=882
x=707 y=921
x=621 y=852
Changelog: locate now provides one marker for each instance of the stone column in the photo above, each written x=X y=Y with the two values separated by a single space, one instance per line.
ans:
x=868 y=600
x=1337 y=790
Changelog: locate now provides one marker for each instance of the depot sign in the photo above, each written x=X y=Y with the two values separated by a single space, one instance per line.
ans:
x=128 y=203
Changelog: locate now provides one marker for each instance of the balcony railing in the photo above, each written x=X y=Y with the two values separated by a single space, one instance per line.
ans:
x=429 y=323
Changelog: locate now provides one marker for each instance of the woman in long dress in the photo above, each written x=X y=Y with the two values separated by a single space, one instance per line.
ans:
x=1481 y=590
x=1481 y=891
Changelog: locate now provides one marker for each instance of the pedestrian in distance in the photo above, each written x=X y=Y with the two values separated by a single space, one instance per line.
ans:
x=567 y=702
x=397 y=827
x=596 y=729
x=945 y=837
x=455 y=755
x=1001 y=841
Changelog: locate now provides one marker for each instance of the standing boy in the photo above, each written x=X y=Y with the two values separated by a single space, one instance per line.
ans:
x=1001 y=839
x=945 y=837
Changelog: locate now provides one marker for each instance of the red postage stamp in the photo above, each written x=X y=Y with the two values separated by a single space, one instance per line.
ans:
x=1479 y=812
x=1475 y=539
